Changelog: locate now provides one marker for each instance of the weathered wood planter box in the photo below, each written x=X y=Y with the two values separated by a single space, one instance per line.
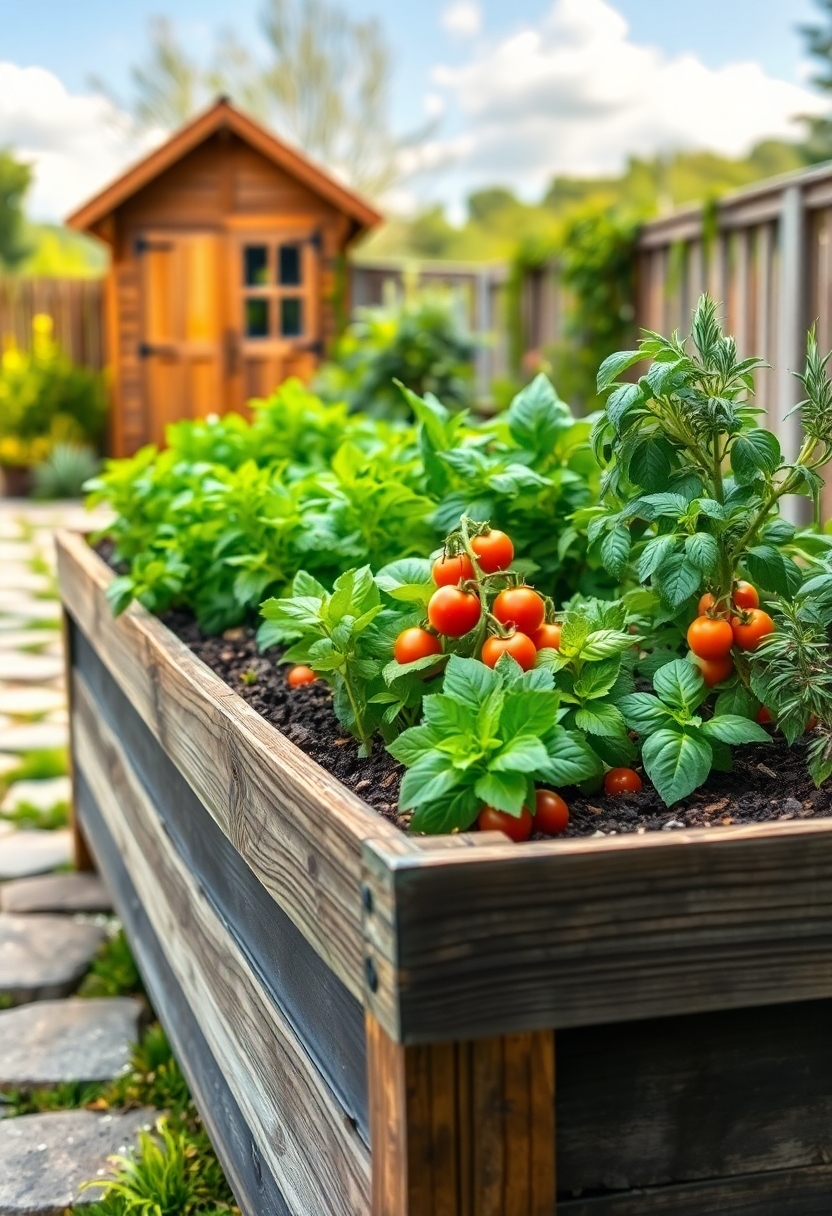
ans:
x=400 y=1027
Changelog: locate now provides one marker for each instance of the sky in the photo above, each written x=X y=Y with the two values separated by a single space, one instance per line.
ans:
x=517 y=91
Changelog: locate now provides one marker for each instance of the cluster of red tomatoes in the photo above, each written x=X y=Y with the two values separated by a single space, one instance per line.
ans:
x=456 y=607
x=551 y=815
x=717 y=630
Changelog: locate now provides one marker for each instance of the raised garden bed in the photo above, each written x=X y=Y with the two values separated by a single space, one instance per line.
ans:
x=375 y=1023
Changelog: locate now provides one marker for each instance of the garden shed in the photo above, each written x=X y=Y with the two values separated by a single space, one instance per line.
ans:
x=225 y=278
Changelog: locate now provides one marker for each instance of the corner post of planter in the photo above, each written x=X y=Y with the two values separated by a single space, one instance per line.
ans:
x=460 y=1127
x=81 y=853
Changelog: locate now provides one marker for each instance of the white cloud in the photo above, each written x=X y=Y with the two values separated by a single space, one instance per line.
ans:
x=463 y=17
x=76 y=143
x=577 y=94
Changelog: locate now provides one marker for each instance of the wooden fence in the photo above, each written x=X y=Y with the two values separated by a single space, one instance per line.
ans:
x=76 y=307
x=765 y=253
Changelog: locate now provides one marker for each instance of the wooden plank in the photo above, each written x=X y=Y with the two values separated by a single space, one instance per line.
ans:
x=235 y=1143
x=324 y=1014
x=317 y=1159
x=805 y=1192
x=297 y=827
x=452 y=1126
x=580 y=932
x=653 y=1103
x=80 y=849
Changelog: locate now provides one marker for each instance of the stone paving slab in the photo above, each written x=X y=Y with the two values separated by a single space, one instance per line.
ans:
x=45 y=1159
x=8 y=763
x=20 y=667
x=44 y=957
x=20 y=577
x=17 y=639
x=69 y=893
x=72 y=1040
x=18 y=604
x=33 y=736
x=23 y=854
x=20 y=701
x=43 y=795
x=9 y=623
x=14 y=551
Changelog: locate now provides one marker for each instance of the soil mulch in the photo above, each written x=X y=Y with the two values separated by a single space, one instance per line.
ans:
x=767 y=784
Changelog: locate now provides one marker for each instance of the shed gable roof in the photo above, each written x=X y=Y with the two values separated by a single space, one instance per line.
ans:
x=222 y=115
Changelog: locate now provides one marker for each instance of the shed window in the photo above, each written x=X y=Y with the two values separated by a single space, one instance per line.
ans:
x=291 y=317
x=276 y=289
x=290 y=266
x=256 y=265
x=257 y=318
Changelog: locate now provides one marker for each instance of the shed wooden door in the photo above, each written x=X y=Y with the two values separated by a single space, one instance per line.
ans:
x=182 y=327
x=275 y=300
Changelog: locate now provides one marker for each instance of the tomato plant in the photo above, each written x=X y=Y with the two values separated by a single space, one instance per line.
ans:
x=415 y=643
x=453 y=612
x=710 y=637
x=551 y=814
x=547 y=637
x=622 y=781
x=521 y=607
x=448 y=571
x=716 y=671
x=521 y=648
x=749 y=629
x=494 y=551
x=517 y=827
x=299 y=675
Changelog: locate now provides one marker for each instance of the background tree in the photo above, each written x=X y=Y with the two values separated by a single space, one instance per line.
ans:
x=818 y=39
x=15 y=179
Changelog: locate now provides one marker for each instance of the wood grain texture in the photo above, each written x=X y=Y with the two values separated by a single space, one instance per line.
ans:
x=235 y=1143
x=297 y=827
x=80 y=850
x=712 y=1095
x=317 y=1158
x=805 y=1192
x=462 y=1129
x=325 y=1015
x=581 y=932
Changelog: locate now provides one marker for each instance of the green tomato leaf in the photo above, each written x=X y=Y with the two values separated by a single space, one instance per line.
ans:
x=596 y=679
x=676 y=763
x=657 y=550
x=503 y=791
x=732 y=729
x=677 y=580
x=600 y=718
x=605 y=643
x=702 y=550
x=469 y=680
x=615 y=549
x=753 y=452
x=431 y=776
x=571 y=759
x=737 y=701
x=644 y=713
x=523 y=754
x=681 y=685
x=614 y=365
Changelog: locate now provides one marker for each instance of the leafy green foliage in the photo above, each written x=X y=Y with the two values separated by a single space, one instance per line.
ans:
x=670 y=509
x=486 y=739
x=680 y=745
x=113 y=971
x=593 y=669
x=173 y=1173
x=45 y=399
x=15 y=179
x=65 y=472
x=420 y=342
x=345 y=636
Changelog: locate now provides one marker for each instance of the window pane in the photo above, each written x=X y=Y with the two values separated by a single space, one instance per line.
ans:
x=257 y=318
x=256 y=265
x=290 y=265
x=291 y=318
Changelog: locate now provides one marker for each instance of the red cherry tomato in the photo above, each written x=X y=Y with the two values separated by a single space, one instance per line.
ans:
x=518 y=646
x=300 y=675
x=516 y=827
x=547 y=637
x=448 y=571
x=494 y=551
x=745 y=595
x=453 y=612
x=710 y=637
x=706 y=604
x=750 y=632
x=415 y=643
x=521 y=607
x=764 y=716
x=622 y=781
x=551 y=813
x=715 y=671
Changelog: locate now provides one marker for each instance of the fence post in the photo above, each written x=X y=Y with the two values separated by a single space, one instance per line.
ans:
x=790 y=334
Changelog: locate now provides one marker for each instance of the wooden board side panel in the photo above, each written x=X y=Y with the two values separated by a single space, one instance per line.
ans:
x=324 y=1014
x=235 y=1143
x=298 y=828
x=316 y=1156
x=462 y=1129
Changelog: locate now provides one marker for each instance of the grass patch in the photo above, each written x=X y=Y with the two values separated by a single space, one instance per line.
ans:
x=27 y=816
x=113 y=971
x=39 y=766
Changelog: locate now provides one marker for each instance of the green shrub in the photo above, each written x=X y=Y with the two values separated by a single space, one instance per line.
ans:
x=421 y=343
x=45 y=399
x=66 y=470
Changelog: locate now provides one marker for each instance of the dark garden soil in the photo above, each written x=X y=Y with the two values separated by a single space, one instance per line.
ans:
x=768 y=783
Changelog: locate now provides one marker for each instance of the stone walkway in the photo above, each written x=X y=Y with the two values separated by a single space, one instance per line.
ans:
x=51 y=921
